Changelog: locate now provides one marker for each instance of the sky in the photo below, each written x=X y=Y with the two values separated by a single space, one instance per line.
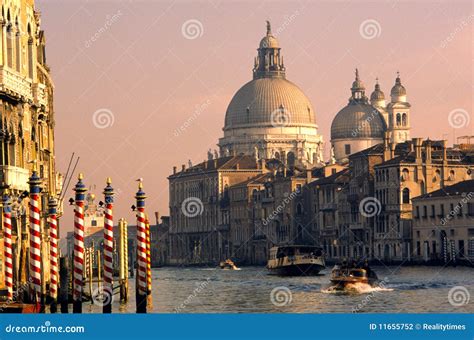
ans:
x=142 y=86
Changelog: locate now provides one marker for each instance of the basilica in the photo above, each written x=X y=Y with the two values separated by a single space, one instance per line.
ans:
x=269 y=184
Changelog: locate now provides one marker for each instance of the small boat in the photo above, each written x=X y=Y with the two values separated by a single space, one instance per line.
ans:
x=296 y=260
x=342 y=276
x=21 y=308
x=228 y=265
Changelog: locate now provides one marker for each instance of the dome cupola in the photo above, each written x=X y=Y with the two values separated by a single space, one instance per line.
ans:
x=377 y=98
x=269 y=61
x=398 y=92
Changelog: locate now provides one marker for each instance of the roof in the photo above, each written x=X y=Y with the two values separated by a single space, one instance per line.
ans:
x=458 y=189
x=259 y=179
x=358 y=120
x=342 y=176
x=241 y=162
x=269 y=102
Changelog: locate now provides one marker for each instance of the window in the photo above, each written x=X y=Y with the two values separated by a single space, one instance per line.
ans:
x=417 y=213
x=94 y=223
x=347 y=149
x=432 y=211
x=406 y=196
x=404 y=119
x=399 y=119
x=470 y=209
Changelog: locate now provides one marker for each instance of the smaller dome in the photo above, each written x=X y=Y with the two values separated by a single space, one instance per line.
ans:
x=357 y=84
x=269 y=41
x=398 y=90
x=358 y=120
x=377 y=94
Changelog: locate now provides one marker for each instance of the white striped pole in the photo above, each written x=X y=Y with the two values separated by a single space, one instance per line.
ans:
x=7 y=237
x=35 y=237
x=108 y=247
x=78 y=276
x=53 y=253
x=141 y=251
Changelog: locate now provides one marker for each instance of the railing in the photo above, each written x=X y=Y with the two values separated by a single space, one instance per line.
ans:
x=12 y=81
x=15 y=177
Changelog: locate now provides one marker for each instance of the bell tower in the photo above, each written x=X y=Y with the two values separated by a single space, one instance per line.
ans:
x=398 y=113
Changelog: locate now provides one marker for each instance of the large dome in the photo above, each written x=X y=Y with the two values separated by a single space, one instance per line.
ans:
x=258 y=103
x=358 y=120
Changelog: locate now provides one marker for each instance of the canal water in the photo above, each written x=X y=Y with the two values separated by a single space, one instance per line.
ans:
x=252 y=290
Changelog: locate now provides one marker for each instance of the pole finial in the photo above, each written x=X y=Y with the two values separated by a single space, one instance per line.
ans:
x=357 y=73
x=80 y=176
x=269 y=28
x=140 y=183
x=109 y=180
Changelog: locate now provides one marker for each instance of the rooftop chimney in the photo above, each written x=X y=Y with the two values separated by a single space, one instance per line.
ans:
x=157 y=217
x=428 y=151
x=174 y=170
x=387 y=153
x=417 y=144
x=183 y=167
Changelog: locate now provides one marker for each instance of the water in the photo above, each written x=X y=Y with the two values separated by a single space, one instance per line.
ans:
x=212 y=290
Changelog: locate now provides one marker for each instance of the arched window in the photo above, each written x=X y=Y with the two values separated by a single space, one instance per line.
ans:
x=299 y=208
x=405 y=175
x=17 y=46
x=406 y=196
x=277 y=155
x=404 y=119
x=399 y=119
x=30 y=53
x=291 y=159
x=9 y=41
x=452 y=175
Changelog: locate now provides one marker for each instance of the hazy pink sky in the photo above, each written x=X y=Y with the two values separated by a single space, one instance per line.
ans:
x=132 y=59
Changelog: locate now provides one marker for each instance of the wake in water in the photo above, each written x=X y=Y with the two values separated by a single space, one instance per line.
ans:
x=355 y=288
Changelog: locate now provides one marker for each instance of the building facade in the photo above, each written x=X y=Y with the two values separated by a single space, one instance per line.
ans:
x=26 y=125
x=443 y=225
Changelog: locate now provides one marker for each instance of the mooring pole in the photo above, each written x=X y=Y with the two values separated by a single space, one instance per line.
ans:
x=53 y=254
x=123 y=260
x=35 y=238
x=141 y=290
x=7 y=240
x=108 y=248
x=78 y=275
x=64 y=284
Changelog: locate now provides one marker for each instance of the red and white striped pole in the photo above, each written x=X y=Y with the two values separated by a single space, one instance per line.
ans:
x=7 y=240
x=108 y=248
x=148 y=257
x=53 y=253
x=141 y=251
x=78 y=275
x=35 y=238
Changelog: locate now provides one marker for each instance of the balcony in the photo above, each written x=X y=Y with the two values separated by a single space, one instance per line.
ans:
x=15 y=177
x=14 y=83
x=40 y=96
